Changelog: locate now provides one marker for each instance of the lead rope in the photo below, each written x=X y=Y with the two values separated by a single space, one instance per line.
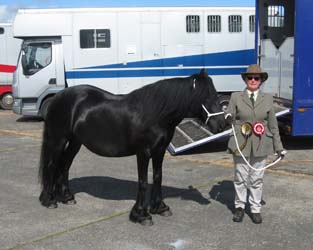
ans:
x=244 y=158
x=209 y=115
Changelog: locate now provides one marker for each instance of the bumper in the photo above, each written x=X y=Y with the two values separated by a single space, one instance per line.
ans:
x=27 y=109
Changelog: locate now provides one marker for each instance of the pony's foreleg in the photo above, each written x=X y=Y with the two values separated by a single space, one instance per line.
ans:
x=157 y=205
x=139 y=212
x=63 y=193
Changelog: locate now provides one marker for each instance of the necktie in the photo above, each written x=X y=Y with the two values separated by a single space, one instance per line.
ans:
x=252 y=98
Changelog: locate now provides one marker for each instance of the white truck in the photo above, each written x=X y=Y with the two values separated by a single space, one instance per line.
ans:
x=121 y=49
x=9 y=51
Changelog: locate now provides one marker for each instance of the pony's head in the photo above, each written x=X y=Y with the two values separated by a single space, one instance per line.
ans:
x=209 y=110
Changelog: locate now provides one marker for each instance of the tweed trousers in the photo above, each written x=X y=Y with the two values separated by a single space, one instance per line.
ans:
x=247 y=179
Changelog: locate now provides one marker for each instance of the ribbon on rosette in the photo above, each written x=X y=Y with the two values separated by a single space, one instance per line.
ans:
x=258 y=129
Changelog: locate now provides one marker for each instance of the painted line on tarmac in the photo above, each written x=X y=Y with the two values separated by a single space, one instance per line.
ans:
x=20 y=148
x=107 y=218
x=229 y=164
x=15 y=132
x=6 y=113
x=69 y=230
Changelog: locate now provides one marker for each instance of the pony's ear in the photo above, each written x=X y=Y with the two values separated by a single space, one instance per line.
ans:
x=203 y=73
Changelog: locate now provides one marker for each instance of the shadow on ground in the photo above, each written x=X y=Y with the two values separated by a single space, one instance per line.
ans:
x=224 y=193
x=109 y=188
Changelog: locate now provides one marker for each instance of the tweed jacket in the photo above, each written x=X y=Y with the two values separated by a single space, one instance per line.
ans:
x=242 y=110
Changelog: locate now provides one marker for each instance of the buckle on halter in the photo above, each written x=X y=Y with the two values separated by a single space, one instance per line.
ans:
x=209 y=115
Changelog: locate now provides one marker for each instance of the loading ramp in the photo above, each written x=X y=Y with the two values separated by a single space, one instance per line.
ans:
x=192 y=133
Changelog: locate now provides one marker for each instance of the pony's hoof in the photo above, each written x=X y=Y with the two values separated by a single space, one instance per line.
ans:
x=166 y=213
x=52 y=206
x=162 y=210
x=69 y=202
x=143 y=218
x=47 y=200
x=146 y=223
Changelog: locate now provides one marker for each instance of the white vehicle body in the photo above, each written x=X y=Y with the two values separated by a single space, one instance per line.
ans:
x=9 y=51
x=121 y=49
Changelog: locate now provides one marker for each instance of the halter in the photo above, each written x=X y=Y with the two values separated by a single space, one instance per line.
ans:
x=209 y=115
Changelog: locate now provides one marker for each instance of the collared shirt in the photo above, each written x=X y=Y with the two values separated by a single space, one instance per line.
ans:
x=255 y=94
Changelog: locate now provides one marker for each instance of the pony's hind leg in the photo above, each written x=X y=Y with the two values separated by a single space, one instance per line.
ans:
x=63 y=193
x=51 y=151
x=157 y=205
x=139 y=212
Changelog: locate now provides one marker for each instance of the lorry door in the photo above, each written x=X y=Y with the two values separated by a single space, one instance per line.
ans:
x=277 y=46
x=140 y=49
x=151 y=49
x=303 y=73
x=38 y=70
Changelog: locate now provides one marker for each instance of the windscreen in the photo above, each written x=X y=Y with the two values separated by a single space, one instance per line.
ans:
x=36 y=56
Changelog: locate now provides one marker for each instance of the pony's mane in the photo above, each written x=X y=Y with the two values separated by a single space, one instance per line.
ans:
x=171 y=97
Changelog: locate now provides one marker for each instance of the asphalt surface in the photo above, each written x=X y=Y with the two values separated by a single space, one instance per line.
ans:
x=197 y=186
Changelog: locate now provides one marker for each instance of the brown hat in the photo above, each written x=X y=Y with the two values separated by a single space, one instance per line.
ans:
x=255 y=69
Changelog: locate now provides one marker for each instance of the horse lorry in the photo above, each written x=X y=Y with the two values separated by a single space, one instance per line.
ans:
x=121 y=49
x=9 y=51
x=284 y=49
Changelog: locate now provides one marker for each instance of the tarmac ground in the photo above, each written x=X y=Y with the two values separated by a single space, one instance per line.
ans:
x=196 y=185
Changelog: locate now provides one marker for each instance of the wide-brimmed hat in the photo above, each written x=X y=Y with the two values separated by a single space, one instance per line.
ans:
x=255 y=69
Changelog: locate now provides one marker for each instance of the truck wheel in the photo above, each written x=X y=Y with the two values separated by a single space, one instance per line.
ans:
x=6 y=101
x=44 y=107
x=224 y=101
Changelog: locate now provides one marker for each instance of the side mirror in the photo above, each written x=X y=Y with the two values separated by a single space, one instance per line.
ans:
x=24 y=64
x=24 y=61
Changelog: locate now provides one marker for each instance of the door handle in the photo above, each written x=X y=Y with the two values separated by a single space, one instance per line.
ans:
x=52 y=81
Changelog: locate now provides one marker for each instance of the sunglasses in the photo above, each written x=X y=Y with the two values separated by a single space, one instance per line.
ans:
x=257 y=78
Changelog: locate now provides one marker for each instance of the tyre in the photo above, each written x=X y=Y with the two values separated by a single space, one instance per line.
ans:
x=44 y=107
x=6 y=101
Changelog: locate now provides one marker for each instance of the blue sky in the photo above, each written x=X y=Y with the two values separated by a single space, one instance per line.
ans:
x=8 y=7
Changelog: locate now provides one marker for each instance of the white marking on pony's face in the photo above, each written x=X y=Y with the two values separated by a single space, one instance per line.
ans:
x=179 y=244
x=194 y=83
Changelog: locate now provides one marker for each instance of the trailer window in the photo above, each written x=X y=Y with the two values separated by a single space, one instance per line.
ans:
x=36 y=56
x=214 y=24
x=276 y=16
x=193 y=24
x=234 y=23
x=1 y=30
x=252 y=23
x=95 y=38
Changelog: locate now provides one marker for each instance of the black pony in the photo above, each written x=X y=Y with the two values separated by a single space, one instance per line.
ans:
x=141 y=123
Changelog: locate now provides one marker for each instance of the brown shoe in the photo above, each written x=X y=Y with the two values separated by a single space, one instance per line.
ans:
x=238 y=215
x=256 y=218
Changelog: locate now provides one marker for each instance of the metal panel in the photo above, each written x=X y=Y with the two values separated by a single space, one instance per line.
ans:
x=303 y=74
x=192 y=133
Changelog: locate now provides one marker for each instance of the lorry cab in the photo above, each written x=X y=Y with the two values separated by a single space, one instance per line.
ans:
x=41 y=69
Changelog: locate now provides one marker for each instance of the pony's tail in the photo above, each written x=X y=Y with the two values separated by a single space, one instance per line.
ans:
x=44 y=155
